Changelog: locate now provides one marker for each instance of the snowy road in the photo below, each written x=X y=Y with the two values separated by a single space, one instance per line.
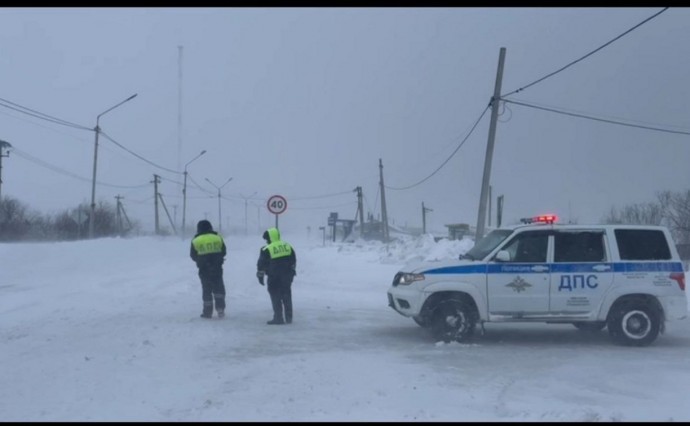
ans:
x=108 y=330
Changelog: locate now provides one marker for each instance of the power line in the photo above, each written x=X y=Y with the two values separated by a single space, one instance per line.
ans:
x=57 y=169
x=139 y=156
x=587 y=55
x=449 y=157
x=322 y=196
x=597 y=119
x=28 y=111
x=45 y=127
x=324 y=207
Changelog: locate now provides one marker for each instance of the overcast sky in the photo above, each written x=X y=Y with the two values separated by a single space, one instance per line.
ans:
x=304 y=102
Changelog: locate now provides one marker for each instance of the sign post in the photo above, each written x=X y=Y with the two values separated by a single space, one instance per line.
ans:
x=276 y=204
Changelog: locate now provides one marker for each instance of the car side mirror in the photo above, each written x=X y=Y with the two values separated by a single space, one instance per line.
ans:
x=502 y=256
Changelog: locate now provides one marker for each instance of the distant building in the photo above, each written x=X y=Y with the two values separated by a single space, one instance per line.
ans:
x=456 y=231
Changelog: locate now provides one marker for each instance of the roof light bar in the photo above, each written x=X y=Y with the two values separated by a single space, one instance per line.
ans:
x=546 y=218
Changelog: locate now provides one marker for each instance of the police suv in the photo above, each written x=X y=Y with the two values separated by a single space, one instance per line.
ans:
x=627 y=278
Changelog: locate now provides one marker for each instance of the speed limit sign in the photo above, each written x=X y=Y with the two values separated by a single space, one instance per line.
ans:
x=276 y=204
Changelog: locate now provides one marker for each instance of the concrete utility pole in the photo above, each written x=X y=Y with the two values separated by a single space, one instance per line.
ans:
x=6 y=146
x=97 y=129
x=424 y=210
x=179 y=107
x=481 y=216
x=384 y=213
x=489 y=215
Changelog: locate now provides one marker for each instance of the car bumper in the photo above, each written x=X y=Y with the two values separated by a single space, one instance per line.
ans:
x=675 y=307
x=404 y=301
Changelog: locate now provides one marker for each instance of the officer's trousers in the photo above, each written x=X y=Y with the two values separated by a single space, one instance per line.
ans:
x=280 y=290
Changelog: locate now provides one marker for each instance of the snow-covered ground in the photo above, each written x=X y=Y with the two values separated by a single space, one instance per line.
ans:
x=109 y=330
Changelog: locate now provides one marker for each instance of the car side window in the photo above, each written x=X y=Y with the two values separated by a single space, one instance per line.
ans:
x=579 y=246
x=528 y=247
x=642 y=244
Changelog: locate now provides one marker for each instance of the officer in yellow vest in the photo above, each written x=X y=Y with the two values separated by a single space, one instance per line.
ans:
x=208 y=251
x=278 y=261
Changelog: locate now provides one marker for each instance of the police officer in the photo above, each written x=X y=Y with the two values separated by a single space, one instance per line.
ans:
x=208 y=251
x=278 y=261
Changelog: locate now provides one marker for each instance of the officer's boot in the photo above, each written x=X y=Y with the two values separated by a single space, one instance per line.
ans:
x=287 y=300
x=208 y=310
x=277 y=309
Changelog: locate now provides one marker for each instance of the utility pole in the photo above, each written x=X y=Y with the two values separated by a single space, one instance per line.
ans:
x=360 y=210
x=489 y=215
x=156 y=180
x=119 y=217
x=481 y=216
x=6 y=146
x=184 y=194
x=499 y=210
x=246 y=232
x=167 y=213
x=97 y=129
x=179 y=107
x=220 y=224
x=424 y=210
x=384 y=213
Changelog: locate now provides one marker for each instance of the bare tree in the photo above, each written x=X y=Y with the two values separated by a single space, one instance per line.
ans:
x=677 y=213
x=636 y=214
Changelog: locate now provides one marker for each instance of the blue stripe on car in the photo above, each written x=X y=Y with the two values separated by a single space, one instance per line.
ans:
x=559 y=268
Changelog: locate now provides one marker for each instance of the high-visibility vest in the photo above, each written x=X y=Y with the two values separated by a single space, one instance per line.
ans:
x=278 y=249
x=208 y=244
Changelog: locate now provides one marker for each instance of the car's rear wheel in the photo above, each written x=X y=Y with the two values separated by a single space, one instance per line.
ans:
x=453 y=319
x=634 y=323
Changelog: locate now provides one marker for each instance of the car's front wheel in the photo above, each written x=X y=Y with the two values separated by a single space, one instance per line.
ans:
x=453 y=319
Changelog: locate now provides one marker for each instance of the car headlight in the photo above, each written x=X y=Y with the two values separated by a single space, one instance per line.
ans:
x=408 y=278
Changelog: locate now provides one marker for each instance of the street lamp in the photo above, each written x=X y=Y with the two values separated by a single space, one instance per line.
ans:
x=184 y=193
x=97 y=129
x=220 y=223
x=245 y=210
x=6 y=146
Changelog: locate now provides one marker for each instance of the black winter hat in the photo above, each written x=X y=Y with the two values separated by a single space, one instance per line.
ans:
x=203 y=226
x=266 y=237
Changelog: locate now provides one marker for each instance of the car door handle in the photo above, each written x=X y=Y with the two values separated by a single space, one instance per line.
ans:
x=601 y=268
x=539 y=268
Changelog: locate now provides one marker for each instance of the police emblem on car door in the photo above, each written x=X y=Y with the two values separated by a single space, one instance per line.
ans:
x=519 y=285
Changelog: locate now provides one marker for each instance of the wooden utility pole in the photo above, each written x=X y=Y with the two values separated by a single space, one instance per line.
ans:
x=384 y=212
x=167 y=213
x=360 y=210
x=424 y=210
x=5 y=145
x=156 y=180
x=119 y=217
x=481 y=216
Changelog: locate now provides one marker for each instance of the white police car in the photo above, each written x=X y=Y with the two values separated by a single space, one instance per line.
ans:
x=628 y=278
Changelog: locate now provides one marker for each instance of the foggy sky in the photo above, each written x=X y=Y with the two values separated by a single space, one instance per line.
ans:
x=303 y=102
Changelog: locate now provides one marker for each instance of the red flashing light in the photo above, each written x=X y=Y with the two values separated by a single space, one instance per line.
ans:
x=548 y=218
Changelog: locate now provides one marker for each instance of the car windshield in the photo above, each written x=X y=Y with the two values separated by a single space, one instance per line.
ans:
x=487 y=244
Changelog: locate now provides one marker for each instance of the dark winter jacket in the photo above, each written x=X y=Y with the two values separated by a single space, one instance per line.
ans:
x=276 y=257
x=207 y=248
